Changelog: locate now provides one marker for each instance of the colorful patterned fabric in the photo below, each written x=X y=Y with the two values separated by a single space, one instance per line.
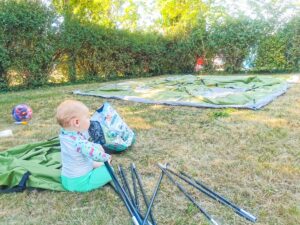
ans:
x=78 y=154
x=108 y=129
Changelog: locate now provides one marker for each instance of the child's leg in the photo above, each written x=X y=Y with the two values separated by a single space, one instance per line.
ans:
x=95 y=179
x=99 y=177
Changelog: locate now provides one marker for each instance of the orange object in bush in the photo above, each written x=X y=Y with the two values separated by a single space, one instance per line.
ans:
x=200 y=61
x=199 y=64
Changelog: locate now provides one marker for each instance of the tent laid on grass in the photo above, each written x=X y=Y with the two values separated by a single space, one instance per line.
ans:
x=41 y=160
x=252 y=92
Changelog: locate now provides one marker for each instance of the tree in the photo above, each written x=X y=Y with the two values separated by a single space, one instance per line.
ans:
x=107 y=13
x=180 y=17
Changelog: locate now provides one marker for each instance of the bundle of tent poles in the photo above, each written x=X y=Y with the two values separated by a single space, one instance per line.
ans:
x=132 y=203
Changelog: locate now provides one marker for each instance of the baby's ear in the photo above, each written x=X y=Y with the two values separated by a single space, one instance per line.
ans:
x=74 y=122
x=77 y=123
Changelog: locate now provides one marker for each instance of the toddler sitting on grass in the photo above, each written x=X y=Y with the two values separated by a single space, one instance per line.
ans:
x=82 y=167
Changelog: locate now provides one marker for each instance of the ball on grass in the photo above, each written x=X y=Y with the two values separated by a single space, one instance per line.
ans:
x=22 y=113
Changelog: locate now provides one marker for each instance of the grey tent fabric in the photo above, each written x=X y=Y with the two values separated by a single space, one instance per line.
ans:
x=251 y=92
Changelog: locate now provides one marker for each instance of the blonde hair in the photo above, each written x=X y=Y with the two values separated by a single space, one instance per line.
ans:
x=68 y=110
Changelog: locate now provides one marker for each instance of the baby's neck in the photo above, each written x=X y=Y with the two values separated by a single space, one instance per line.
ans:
x=72 y=129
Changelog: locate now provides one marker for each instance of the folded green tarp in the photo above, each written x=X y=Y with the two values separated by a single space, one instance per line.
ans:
x=252 y=92
x=41 y=159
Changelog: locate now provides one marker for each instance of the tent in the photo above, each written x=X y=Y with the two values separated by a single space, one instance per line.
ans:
x=251 y=92
x=40 y=162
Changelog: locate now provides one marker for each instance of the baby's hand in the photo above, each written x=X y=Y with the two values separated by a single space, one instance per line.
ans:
x=97 y=164
x=110 y=160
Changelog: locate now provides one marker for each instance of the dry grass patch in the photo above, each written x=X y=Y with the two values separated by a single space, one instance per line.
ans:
x=252 y=157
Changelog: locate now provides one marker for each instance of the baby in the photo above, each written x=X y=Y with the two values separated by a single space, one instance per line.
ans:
x=82 y=167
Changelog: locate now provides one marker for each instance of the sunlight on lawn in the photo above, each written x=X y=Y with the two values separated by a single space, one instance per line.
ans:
x=284 y=169
x=259 y=118
x=138 y=123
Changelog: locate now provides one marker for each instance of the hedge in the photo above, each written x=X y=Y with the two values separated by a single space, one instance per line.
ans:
x=33 y=44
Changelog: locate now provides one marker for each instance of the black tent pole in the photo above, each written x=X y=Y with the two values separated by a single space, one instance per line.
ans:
x=204 y=189
x=134 y=215
x=134 y=184
x=182 y=189
x=126 y=184
x=139 y=180
x=153 y=197
x=126 y=187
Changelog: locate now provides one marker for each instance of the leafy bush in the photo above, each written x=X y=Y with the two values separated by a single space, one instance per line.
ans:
x=94 y=52
x=233 y=39
x=271 y=54
x=280 y=50
x=292 y=51
x=25 y=42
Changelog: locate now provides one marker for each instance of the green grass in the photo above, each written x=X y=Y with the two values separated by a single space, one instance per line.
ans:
x=251 y=157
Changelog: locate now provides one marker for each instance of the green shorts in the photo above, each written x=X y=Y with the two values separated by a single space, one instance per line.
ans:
x=95 y=179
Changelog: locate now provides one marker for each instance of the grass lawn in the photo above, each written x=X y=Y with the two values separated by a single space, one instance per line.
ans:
x=251 y=157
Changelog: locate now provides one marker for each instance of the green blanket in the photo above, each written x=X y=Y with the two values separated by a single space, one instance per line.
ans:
x=41 y=159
